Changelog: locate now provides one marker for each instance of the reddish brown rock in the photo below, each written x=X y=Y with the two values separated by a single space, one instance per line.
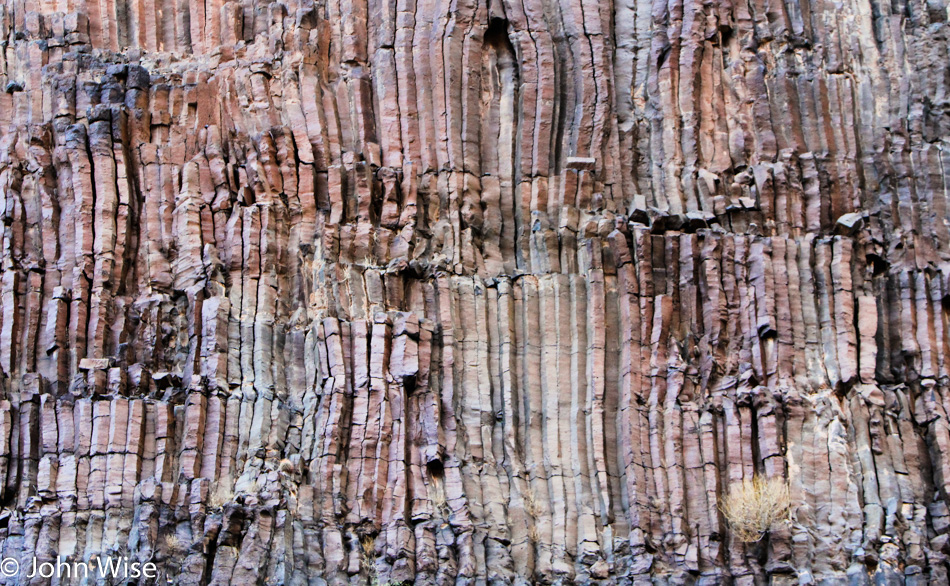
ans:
x=451 y=293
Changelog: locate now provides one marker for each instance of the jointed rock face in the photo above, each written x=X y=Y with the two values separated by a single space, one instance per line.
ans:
x=382 y=291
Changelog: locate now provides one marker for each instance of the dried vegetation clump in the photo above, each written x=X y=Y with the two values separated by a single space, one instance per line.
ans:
x=751 y=507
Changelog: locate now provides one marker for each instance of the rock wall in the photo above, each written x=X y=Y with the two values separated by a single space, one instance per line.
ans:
x=507 y=292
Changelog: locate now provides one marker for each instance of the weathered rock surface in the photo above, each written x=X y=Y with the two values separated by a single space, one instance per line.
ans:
x=463 y=292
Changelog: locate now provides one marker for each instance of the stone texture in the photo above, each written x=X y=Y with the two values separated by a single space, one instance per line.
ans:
x=365 y=291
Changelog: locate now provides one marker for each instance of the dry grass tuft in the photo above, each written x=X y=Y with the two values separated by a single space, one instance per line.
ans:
x=368 y=558
x=175 y=544
x=368 y=562
x=531 y=505
x=437 y=496
x=287 y=467
x=752 y=506
x=222 y=495
x=368 y=545
x=534 y=534
x=533 y=509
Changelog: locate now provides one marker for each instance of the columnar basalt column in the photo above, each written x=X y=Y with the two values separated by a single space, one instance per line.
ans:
x=506 y=292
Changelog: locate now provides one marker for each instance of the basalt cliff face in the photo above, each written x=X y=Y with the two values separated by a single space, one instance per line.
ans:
x=467 y=292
